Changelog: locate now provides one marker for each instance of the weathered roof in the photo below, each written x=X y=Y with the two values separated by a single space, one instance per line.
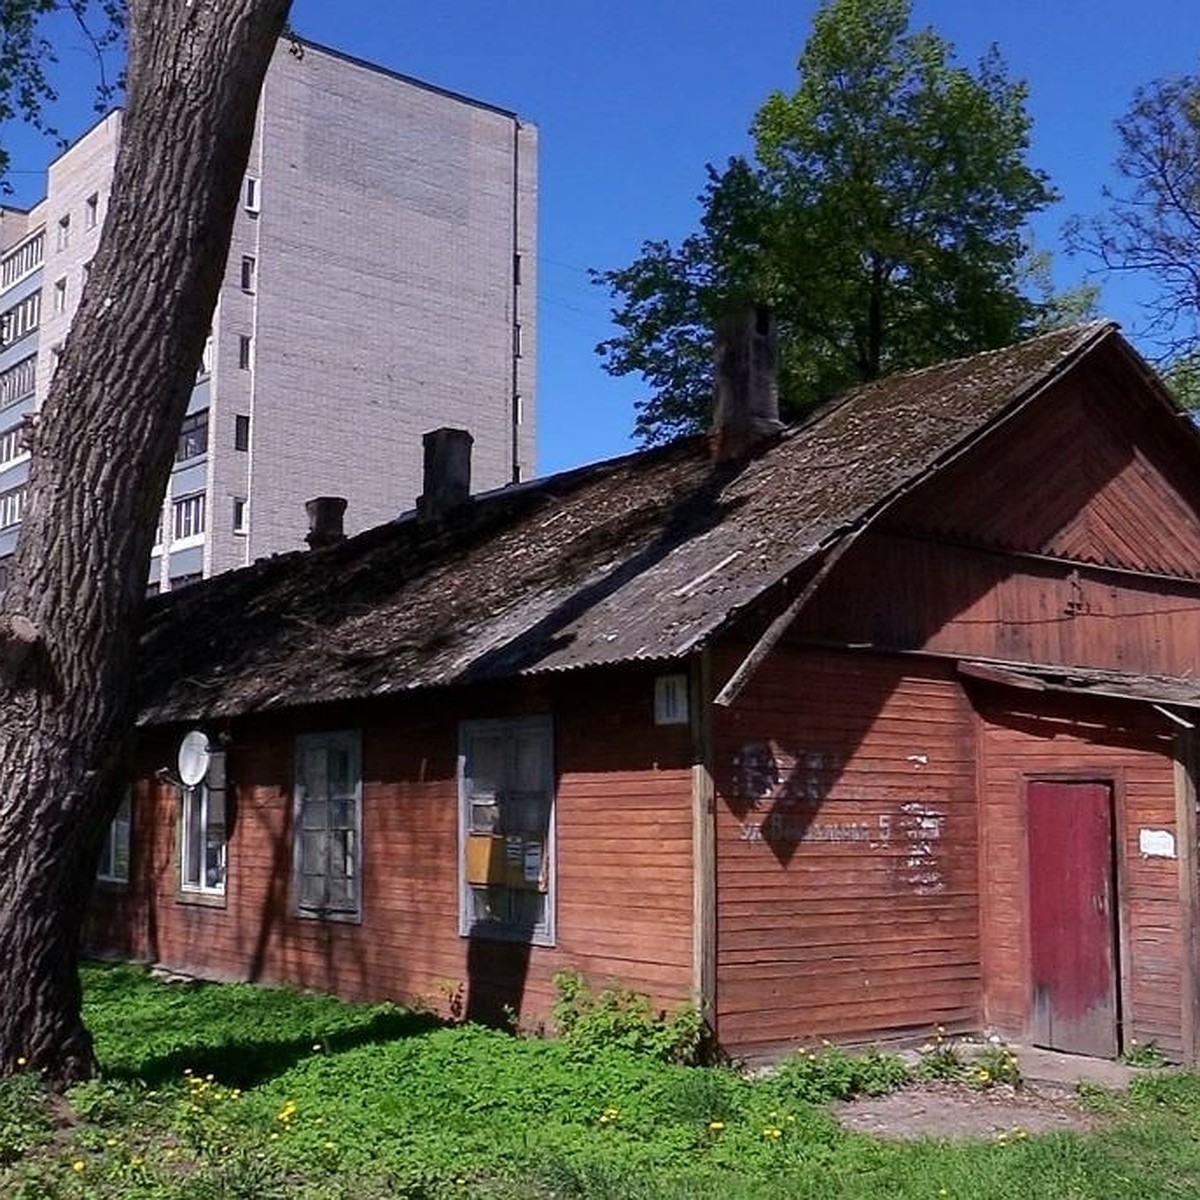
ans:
x=641 y=557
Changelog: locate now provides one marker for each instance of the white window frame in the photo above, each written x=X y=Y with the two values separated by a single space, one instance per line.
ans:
x=114 y=853
x=60 y=295
x=241 y=515
x=204 y=832
x=252 y=194
x=22 y=260
x=327 y=858
x=249 y=275
x=12 y=503
x=91 y=211
x=21 y=319
x=64 y=231
x=188 y=520
x=18 y=381
x=12 y=445
x=529 y=863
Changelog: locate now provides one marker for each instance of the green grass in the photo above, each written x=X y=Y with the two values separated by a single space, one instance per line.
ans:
x=218 y=1092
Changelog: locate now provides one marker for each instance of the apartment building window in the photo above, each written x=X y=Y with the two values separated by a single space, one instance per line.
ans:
x=21 y=319
x=60 y=295
x=249 y=267
x=506 y=823
x=252 y=195
x=91 y=211
x=328 y=824
x=193 y=436
x=241 y=431
x=11 y=504
x=244 y=352
x=17 y=382
x=64 y=231
x=23 y=260
x=114 y=853
x=518 y=340
x=240 y=515
x=12 y=445
x=202 y=831
x=187 y=517
x=206 y=357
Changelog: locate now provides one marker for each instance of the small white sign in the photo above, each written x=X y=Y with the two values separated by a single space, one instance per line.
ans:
x=1156 y=843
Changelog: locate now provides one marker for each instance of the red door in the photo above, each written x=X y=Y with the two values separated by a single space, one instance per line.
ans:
x=1072 y=925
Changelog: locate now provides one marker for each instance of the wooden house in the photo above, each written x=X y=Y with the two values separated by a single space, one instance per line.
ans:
x=876 y=723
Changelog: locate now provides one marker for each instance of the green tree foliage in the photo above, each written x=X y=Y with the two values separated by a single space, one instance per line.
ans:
x=882 y=215
x=27 y=55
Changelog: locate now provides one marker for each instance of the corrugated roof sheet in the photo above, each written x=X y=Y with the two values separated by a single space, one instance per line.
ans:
x=643 y=556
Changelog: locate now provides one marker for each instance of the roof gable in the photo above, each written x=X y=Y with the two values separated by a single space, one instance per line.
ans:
x=643 y=557
x=1105 y=470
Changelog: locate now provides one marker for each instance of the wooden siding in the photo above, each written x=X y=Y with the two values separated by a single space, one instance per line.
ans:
x=1131 y=747
x=846 y=853
x=1095 y=471
x=624 y=848
x=913 y=593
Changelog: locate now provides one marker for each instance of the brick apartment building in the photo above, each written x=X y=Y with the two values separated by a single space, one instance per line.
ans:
x=381 y=281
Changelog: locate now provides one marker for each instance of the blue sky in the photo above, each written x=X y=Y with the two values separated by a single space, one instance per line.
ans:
x=632 y=100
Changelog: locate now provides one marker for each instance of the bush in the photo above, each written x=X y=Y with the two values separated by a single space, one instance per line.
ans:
x=591 y=1022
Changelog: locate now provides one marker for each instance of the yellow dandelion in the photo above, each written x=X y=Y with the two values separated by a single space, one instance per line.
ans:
x=78 y=1166
x=716 y=1126
x=773 y=1133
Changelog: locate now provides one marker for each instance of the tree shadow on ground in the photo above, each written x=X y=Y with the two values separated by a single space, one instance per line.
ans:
x=245 y=1063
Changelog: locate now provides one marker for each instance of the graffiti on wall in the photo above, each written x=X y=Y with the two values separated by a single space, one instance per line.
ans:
x=779 y=795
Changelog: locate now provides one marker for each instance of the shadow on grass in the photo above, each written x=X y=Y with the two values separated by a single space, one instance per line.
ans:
x=245 y=1064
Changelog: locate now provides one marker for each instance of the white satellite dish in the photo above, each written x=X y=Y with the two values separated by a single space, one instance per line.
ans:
x=193 y=757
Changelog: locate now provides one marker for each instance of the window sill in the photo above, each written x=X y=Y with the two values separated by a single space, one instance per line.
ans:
x=187 y=543
x=199 y=899
x=109 y=883
x=494 y=933
x=339 y=918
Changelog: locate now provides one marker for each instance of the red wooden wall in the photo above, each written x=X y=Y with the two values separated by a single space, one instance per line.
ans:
x=624 y=852
x=1025 y=737
x=847 y=887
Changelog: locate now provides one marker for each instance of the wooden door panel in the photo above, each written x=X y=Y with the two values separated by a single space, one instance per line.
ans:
x=1072 y=928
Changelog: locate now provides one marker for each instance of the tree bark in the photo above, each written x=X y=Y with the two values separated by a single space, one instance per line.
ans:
x=101 y=457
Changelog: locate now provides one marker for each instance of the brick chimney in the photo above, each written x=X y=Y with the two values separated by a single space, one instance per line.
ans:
x=746 y=411
x=325 y=514
x=447 y=480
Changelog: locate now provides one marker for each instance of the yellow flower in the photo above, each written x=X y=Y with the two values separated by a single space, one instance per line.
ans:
x=716 y=1126
x=136 y=1160
x=773 y=1133
x=77 y=1166
x=22 y=1061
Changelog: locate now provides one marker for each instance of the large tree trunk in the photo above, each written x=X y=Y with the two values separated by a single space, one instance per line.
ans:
x=101 y=456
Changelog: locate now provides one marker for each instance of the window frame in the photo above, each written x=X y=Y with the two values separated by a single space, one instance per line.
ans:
x=210 y=792
x=196 y=525
x=117 y=846
x=350 y=742
x=544 y=932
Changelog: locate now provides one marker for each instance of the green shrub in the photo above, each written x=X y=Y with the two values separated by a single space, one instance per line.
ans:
x=591 y=1022
x=832 y=1073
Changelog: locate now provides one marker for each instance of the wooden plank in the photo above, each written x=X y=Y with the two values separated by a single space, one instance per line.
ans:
x=1185 y=825
x=704 y=854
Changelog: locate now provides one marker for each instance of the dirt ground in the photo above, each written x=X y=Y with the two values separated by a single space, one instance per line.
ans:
x=951 y=1110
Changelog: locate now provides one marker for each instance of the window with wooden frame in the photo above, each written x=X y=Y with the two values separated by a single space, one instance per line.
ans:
x=202 y=832
x=506 y=829
x=328 y=825
x=114 y=853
